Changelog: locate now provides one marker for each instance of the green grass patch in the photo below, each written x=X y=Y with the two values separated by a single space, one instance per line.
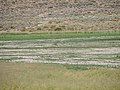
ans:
x=86 y=67
x=77 y=67
x=55 y=35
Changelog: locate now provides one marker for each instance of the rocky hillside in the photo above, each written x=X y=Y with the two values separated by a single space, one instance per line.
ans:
x=57 y=15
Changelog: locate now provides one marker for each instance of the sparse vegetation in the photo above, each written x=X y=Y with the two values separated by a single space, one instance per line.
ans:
x=59 y=45
x=97 y=48
x=88 y=15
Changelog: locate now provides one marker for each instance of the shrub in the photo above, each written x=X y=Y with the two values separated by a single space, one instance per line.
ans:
x=58 y=29
x=12 y=27
x=39 y=28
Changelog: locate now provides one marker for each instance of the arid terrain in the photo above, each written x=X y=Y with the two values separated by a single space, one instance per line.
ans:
x=59 y=44
x=59 y=15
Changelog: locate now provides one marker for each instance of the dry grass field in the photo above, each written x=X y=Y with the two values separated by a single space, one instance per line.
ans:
x=27 y=76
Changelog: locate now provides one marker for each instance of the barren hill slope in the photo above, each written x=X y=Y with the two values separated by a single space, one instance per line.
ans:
x=58 y=15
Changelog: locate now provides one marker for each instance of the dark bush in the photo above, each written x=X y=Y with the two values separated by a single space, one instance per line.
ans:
x=39 y=28
x=58 y=29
